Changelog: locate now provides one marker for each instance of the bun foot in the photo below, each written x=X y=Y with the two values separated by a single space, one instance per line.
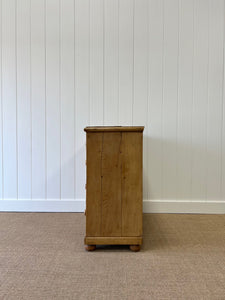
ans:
x=135 y=248
x=90 y=247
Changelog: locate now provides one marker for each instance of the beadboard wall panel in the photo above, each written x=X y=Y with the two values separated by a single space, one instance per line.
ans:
x=140 y=79
x=82 y=92
x=1 y=132
x=200 y=99
x=170 y=98
x=215 y=101
x=23 y=44
x=38 y=99
x=155 y=98
x=69 y=64
x=67 y=99
x=185 y=99
x=53 y=99
x=111 y=62
x=9 y=100
x=125 y=63
x=96 y=62
x=222 y=161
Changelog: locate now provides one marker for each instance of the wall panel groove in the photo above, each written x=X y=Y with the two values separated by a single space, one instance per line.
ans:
x=9 y=99
x=67 y=100
x=1 y=111
x=38 y=99
x=222 y=161
x=67 y=64
x=185 y=98
x=23 y=99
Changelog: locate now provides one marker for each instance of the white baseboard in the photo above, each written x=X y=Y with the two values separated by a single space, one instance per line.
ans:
x=78 y=205
x=195 y=207
x=40 y=205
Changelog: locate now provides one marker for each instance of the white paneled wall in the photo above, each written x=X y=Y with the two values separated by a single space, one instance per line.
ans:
x=66 y=64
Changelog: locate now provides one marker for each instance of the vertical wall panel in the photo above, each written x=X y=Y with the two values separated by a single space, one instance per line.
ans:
x=9 y=98
x=155 y=99
x=185 y=93
x=81 y=90
x=38 y=98
x=214 y=116
x=1 y=123
x=126 y=61
x=200 y=99
x=170 y=80
x=111 y=95
x=66 y=64
x=53 y=116
x=140 y=79
x=96 y=62
x=67 y=100
x=23 y=99
x=222 y=188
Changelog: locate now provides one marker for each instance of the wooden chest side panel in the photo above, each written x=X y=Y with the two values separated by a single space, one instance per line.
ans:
x=111 y=184
x=93 y=187
x=132 y=184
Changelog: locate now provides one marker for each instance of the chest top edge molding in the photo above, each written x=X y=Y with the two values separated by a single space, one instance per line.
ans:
x=114 y=128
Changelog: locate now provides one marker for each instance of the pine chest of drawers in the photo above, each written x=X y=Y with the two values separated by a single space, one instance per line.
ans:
x=114 y=186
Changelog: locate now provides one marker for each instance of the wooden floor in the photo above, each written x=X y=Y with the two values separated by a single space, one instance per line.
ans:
x=42 y=256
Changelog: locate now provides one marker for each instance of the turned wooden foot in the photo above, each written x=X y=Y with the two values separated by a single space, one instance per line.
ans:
x=135 y=248
x=90 y=247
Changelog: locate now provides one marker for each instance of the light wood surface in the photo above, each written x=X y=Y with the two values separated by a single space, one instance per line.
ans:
x=114 y=128
x=111 y=184
x=114 y=186
x=123 y=240
x=132 y=184
x=93 y=186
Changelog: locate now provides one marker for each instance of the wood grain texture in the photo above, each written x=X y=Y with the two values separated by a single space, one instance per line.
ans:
x=93 y=203
x=114 y=187
x=131 y=184
x=125 y=240
x=114 y=128
x=111 y=184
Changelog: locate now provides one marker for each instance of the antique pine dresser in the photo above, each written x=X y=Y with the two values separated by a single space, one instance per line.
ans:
x=114 y=186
